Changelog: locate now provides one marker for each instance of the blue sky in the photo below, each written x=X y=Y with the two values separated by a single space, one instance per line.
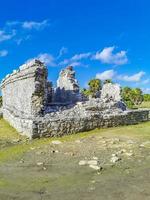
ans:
x=100 y=38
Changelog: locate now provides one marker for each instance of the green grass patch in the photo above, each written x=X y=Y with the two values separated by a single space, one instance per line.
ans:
x=7 y=132
x=145 y=104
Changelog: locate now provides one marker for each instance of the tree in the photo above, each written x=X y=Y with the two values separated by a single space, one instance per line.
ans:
x=132 y=97
x=137 y=96
x=95 y=85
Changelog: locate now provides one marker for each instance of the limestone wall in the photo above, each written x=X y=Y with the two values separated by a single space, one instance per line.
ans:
x=51 y=127
x=68 y=89
x=111 y=91
x=24 y=95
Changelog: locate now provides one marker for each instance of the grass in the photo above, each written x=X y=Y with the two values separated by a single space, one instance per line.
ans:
x=16 y=150
x=145 y=104
x=7 y=132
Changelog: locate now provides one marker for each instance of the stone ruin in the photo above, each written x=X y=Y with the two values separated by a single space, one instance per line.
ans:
x=36 y=109
x=68 y=90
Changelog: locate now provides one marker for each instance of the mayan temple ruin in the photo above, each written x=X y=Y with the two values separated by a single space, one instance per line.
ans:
x=36 y=109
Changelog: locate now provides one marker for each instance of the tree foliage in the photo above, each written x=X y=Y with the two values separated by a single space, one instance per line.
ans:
x=132 y=97
x=146 y=97
x=95 y=85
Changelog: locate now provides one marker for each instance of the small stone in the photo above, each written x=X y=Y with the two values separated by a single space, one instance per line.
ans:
x=39 y=163
x=114 y=154
x=78 y=141
x=115 y=159
x=100 y=137
x=95 y=167
x=83 y=162
x=16 y=140
x=112 y=142
x=44 y=168
x=117 y=140
x=95 y=158
x=92 y=188
x=39 y=152
x=21 y=161
x=129 y=154
x=56 y=142
x=32 y=148
x=93 y=181
x=141 y=145
x=130 y=142
x=92 y=162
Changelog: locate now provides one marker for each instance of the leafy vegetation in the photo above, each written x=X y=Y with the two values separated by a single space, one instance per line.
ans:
x=146 y=97
x=95 y=85
x=132 y=96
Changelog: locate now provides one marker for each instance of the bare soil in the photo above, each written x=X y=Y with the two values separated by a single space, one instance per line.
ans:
x=42 y=170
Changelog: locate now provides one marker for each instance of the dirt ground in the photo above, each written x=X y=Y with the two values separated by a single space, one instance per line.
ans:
x=107 y=164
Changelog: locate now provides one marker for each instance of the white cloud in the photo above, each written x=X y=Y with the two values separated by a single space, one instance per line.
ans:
x=64 y=62
x=133 y=78
x=48 y=59
x=62 y=51
x=35 y=25
x=28 y=24
x=75 y=59
x=12 y=23
x=109 y=74
x=146 y=90
x=3 y=53
x=107 y=56
x=75 y=64
x=81 y=56
x=6 y=36
x=22 y=39
x=146 y=81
